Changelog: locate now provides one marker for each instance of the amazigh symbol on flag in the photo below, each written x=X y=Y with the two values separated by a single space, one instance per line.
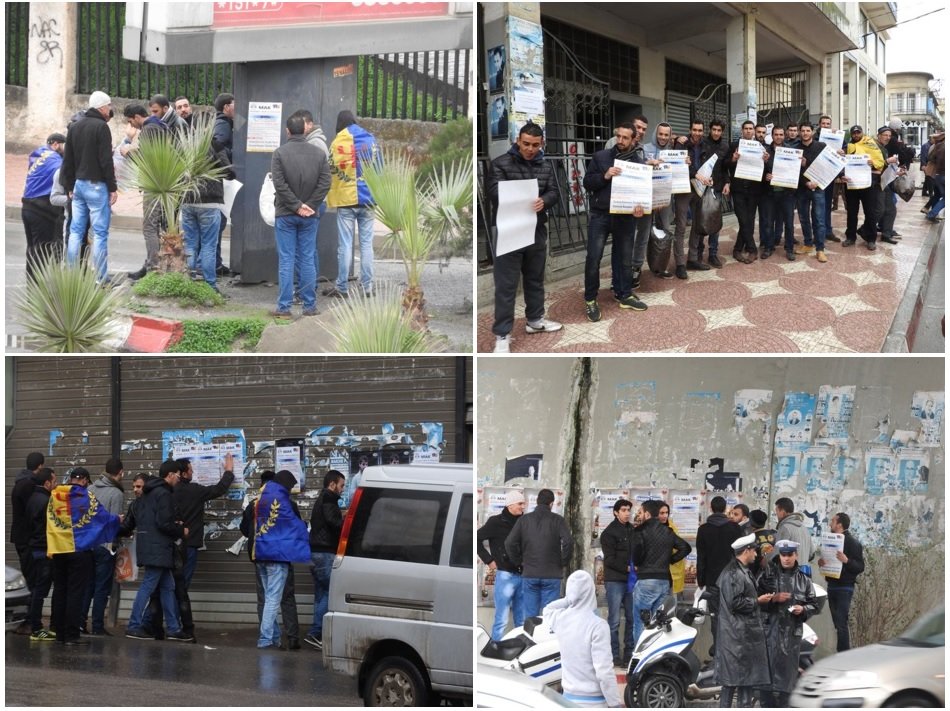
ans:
x=76 y=521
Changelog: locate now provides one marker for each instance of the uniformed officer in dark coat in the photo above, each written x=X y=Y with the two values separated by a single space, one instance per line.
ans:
x=793 y=601
x=741 y=657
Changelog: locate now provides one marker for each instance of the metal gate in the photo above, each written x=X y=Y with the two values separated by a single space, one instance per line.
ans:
x=713 y=102
x=577 y=124
x=782 y=115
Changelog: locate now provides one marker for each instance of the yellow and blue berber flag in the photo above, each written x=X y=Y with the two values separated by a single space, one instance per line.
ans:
x=280 y=534
x=76 y=521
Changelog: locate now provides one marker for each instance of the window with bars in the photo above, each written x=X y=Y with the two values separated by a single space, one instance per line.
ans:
x=611 y=61
x=684 y=79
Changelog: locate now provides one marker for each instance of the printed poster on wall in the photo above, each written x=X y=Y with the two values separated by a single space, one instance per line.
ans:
x=684 y=513
x=928 y=408
x=749 y=407
x=264 y=127
x=816 y=474
x=880 y=471
x=913 y=470
x=835 y=407
x=794 y=427
x=602 y=504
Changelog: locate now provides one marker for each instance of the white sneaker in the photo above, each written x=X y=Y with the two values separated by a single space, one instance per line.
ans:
x=542 y=325
x=501 y=344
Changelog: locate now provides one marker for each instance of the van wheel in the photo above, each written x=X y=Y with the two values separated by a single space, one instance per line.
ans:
x=395 y=682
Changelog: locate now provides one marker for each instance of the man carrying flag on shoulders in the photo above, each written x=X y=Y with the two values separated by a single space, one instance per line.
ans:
x=75 y=524
x=280 y=538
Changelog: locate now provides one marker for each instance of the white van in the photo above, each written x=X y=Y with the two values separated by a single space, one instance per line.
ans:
x=399 y=617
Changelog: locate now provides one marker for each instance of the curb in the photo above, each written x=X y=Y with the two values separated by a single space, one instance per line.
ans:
x=152 y=335
x=903 y=331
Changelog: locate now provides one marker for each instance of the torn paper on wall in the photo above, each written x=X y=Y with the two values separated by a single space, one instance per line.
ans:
x=794 y=427
x=750 y=407
x=834 y=414
x=928 y=408
x=880 y=471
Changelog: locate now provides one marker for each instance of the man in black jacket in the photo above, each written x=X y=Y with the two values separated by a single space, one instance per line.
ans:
x=158 y=528
x=523 y=161
x=811 y=198
x=713 y=144
x=655 y=548
x=222 y=139
x=541 y=544
x=841 y=590
x=19 y=525
x=617 y=544
x=190 y=499
x=326 y=523
x=508 y=592
x=42 y=569
x=745 y=197
x=597 y=182
x=301 y=181
x=88 y=176
x=713 y=552
x=149 y=127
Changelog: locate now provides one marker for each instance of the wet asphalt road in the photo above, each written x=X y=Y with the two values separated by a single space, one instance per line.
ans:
x=223 y=669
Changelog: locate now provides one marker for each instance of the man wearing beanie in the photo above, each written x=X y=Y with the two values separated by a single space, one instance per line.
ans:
x=508 y=594
x=88 y=176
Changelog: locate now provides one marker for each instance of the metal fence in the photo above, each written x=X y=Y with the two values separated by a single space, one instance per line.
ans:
x=422 y=86
x=17 y=26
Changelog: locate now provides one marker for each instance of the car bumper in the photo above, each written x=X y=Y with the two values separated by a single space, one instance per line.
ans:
x=842 y=699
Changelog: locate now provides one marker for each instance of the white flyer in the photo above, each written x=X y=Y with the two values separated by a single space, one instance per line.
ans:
x=857 y=171
x=662 y=185
x=831 y=543
x=677 y=159
x=289 y=458
x=750 y=165
x=704 y=171
x=832 y=138
x=632 y=188
x=264 y=127
x=888 y=176
x=825 y=167
x=786 y=167
x=516 y=219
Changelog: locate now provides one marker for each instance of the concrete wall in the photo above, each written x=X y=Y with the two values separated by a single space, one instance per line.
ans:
x=581 y=414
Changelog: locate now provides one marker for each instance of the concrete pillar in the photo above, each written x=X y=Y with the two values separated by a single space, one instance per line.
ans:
x=816 y=91
x=835 y=107
x=51 y=68
x=854 y=116
x=740 y=63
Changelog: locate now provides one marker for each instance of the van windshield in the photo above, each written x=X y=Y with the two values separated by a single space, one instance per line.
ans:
x=927 y=631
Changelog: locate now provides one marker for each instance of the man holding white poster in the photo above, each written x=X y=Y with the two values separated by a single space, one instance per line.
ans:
x=743 y=175
x=778 y=201
x=811 y=198
x=524 y=161
x=870 y=196
x=841 y=589
x=835 y=139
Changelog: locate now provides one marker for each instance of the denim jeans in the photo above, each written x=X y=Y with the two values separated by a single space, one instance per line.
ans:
x=316 y=253
x=940 y=189
x=296 y=250
x=321 y=569
x=618 y=596
x=839 y=602
x=348 y=221
x=599 y=225
x=509 y=595
x=538 y=592
x=201 y=235
x=100 y=586
x=273 y=575
x=813 y=202
x=288 y=603
x=90 y=204
x=647 y=595
x=162 y=579
x=191 y=562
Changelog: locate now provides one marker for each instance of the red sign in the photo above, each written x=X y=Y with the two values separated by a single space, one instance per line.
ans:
x=260 y=14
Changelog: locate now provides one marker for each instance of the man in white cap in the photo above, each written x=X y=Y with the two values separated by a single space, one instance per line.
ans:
x=88 y=176
x=741 y=657
x=792 y=602
x=508 y=594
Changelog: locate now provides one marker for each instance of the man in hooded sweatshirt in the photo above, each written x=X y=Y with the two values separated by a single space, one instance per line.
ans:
x=587 y=672
x=792 y=526
x=663 y=217
x=713 y=552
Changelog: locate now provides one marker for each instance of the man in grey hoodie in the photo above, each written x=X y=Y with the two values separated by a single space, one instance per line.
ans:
x=792 y=527
x=109 y=492
x=663 y=217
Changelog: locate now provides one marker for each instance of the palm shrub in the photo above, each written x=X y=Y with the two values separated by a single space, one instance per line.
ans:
x=168 y=167
x=418 y=217
x=65 y=310
x=377 y=325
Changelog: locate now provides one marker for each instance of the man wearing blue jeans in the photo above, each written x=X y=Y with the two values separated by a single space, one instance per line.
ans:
x=655 y=548
x=509 y=593
x=326 y=523
x=301 y=182
x=111 y=496
x=88 y=176
x=157 y=530
x=841 y=590
x=352 y=148
x=541 y=544
x=811 y=198
x=617 y=544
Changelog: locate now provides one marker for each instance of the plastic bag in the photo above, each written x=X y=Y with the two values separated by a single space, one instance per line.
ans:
x=710 y=214
x=266 y=201
x=904 y=187
x=659 y=249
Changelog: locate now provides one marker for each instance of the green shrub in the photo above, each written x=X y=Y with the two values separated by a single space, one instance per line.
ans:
x=178 y=286
x=219 y=335
x=452 y=144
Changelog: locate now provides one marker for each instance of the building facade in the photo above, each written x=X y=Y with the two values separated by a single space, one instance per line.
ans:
x=910 y=99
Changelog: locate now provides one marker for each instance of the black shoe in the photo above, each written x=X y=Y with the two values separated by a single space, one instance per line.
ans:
x=76 y=642
x=849 y=243
x=293 y=644
x=135 y=276
x=681 y=272
x=632 y=302
x=635 y=284
x=832 y=237
x=766 y=253
x=715 y=261
x=593 y=311
x=790 y=256
x=895 y=233
x=101 y=633
x=664 y=275
x=698 y=266
x=871 y=246
x=889 y=240
x=223 y=271
x=180 y=637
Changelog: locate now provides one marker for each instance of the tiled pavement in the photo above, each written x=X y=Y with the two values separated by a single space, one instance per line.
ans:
x=775 y=306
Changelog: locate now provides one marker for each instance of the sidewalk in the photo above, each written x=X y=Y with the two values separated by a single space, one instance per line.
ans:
x=858 y=302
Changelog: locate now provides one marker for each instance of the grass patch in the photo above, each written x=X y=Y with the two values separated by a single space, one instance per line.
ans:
x=220 y=335
x=177 y=286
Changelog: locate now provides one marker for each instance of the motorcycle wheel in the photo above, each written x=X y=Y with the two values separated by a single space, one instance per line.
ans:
x=659 y=691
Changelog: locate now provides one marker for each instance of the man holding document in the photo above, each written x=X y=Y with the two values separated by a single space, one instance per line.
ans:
x=863 y=176
x=847 y=564
x=521 y=187
x=743 y=174
x=811 y=197
x=778 y=203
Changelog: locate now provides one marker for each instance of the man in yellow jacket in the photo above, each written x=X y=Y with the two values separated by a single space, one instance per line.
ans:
x=871 y=199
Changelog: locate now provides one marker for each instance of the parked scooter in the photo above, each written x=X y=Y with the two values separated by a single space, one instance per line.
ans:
x=532 y=650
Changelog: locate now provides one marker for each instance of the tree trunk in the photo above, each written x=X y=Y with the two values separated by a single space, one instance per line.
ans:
x=171 y=254
x=414 y=303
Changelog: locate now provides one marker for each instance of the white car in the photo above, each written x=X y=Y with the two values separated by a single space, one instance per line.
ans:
x=907 y=671
x=18 y=598
x=503 y=688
